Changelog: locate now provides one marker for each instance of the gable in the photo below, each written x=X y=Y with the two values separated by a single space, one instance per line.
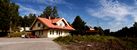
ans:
x=61 y=23
x=38 y=25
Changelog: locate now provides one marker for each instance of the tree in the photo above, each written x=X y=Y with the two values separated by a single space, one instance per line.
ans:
x=107 y=32
x=50 y=12
x=47 y=12
x=134 y=30
x=55 y=12
x=79 y=26
x=31 y=18
x=135 y=25
x=99 y=30
x=28 y=20
x=127 y=32
x=8 y=15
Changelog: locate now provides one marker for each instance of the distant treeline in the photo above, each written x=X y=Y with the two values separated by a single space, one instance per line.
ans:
x=81 y=28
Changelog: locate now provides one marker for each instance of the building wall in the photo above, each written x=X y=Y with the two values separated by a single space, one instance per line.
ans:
x=41 y=33
x=54 y=33
x=51 y=33
x=45 y=34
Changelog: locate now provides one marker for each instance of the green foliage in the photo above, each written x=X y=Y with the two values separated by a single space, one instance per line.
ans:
x=28 y=20
x=50 y=12
x=107 y=32
x=127 y=32
x=8 y=15
x=78 y=23
x=79 y=26
x=15 y=34
x=99 y=30
x=79 y=39
x=107 y=42
x=54 y=12
x=47 y=12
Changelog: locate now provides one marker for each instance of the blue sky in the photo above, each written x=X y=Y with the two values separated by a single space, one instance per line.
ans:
x=109 y=14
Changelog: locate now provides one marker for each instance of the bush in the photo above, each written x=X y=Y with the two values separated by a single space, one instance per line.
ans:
x=129 y=42
x=78 y=39
x=101 y=42
x=15 y=34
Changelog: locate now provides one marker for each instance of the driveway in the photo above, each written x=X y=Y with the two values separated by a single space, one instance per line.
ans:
x=28 y=44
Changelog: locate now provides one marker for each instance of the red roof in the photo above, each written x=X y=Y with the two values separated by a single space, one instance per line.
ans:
x=49 y=23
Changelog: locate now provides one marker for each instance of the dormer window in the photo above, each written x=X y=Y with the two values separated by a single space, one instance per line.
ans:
x=54 y=23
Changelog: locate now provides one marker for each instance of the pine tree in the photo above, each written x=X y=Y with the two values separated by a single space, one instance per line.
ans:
x=79 y=26
x=28 y=20
x=55 y=12
x=31 y=18
x=47 y=12
x=50 y=12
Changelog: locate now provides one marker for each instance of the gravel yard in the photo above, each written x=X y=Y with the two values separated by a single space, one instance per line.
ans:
x=28 y=44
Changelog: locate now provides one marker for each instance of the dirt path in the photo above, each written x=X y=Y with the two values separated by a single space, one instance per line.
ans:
x=28 y=44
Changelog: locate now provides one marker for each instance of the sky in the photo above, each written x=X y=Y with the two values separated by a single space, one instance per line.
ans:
x=109 y=14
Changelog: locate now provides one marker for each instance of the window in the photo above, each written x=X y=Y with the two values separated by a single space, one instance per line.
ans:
x=38 y=24
x=51 y=32
x=54 y=24
x=60 y=32
x=61 y=24
x=57 y=32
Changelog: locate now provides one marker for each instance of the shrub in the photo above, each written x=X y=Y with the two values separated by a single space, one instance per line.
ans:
x=88 y=38
x=15 y=34
x=98 y=42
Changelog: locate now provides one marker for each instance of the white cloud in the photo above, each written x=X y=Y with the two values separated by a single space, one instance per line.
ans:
x=110 y=9
x=118 y=11
x=26 y=11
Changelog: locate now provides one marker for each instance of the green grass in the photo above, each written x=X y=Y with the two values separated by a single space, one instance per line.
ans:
x=78 y=39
